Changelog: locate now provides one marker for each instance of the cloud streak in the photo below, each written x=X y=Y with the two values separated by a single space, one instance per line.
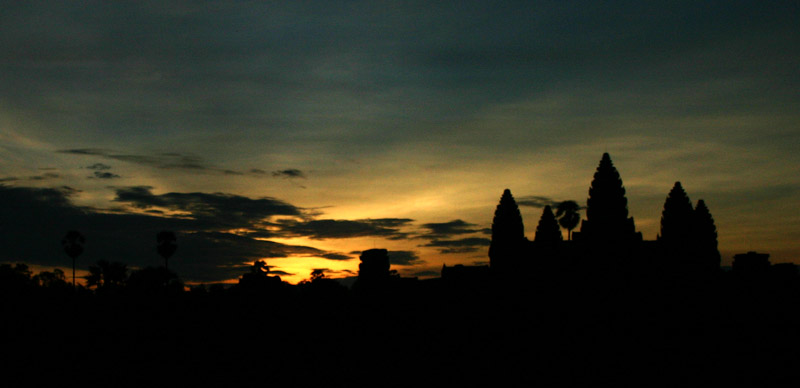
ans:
x=464 y=245
x=289 y=174
x=389 y=228
x=449 y=229
x=213 y=210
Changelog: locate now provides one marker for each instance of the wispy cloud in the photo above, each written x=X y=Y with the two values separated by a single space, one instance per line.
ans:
x=464 y=245
x=390 y=228
x=536 y=201
x=213 y=209
x=289 y=174
x=104 y=175
x=449 y=229
x=99 y=167
x=167 y=161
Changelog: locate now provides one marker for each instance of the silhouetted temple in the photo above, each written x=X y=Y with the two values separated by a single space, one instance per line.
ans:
x=607 y=218
x=607 y=243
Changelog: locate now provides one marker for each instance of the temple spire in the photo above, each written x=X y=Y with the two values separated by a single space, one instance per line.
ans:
x=607 y=207
x=508 y=233
x=548 y=231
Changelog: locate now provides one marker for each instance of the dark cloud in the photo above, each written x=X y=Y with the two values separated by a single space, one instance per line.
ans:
x=288 y=174
x=452 y=228
x=404 y=258
x=214 y=210
x=104 y=175
x=536 y=201
x=336 y=256
x=463 y=245
x=280 y=273
x=426 y=273
x=42 y=177
x=45 y=176
x=326 y=229
x=272 y=84
x=35 y=220
x=399 y=257
x=99 y=167
x=166 y=161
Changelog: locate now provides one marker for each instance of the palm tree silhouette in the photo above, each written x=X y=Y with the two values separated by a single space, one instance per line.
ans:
x=73 y=245
x=568 y=216
x=166 y=245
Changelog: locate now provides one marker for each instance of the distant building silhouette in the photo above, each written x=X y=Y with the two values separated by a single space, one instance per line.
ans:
x=608 y=244
x=751 y=263
x=677 y=218
x=374 y=265
x=607 y=208
x=508 y=235
x=548 y=230
x=705 y=238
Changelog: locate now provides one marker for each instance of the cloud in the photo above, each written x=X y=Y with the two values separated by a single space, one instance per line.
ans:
x=536 y=201
x=104 y=175
x=99 y=167
x=328 y=229
x=214 y=209
x=336 y=256
x=280 y=273
x=404 y=258
x=45 y=176
x=426 y=273
x=37 y=219
x=165 y=161
x=463 y=245
x=289 y=174
x=452 y=228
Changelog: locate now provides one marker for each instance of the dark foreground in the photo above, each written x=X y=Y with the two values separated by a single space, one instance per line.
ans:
x=716 y=331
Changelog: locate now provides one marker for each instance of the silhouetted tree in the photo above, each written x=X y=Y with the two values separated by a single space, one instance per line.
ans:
x=15 y=279
x=55 y=279
x=73 y=244
x=107 y=275
x=568 y=216
x=317 y=274
x=321 y=288
x=257 y=280
x=677 y=218
x=548 y=231
x=704 y=233
x=508 y=233
x=154 y=281
x=607 y=207
x=166 y=245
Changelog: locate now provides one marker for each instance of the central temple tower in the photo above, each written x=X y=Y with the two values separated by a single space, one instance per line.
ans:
x=607 y=208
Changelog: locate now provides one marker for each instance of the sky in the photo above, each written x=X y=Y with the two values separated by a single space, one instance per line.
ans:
x=302 y=133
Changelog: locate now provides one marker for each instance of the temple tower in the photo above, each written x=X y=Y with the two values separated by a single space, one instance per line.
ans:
x=607 y=208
